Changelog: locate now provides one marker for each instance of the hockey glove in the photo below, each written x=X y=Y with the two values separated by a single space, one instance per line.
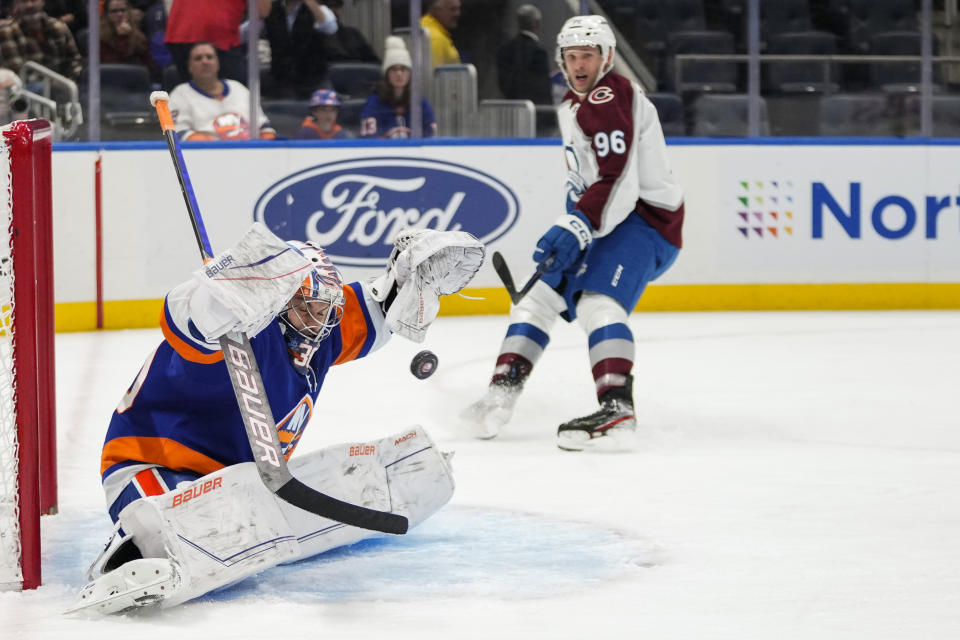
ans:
x=244 y=288
x=425 y=264
x=567 y=239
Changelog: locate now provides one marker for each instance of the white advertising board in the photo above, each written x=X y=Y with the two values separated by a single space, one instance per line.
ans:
x=755 y=213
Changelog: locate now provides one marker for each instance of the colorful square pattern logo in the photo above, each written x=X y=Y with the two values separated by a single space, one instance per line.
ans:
x=765 y=209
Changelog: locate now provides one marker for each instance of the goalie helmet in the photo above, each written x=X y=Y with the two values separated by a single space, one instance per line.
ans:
x=587 y=31
x=315 y=309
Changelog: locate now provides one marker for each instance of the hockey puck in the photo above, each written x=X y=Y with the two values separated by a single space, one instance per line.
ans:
x=424 y=364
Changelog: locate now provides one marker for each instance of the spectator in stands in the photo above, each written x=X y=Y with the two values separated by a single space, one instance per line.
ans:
x=216 y=21
x=442 y=16
x=211 y=108
x=73 y=13
x=523 y=67
x=387 y=112
x=12 y=106
x=347 y=44
x=295 y=30
x=33 y=35
x=122 y=41
x=154 y=26
x=321 y=124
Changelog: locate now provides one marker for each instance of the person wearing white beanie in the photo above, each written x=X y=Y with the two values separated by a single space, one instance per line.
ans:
x=387 y=112
x=395 y=53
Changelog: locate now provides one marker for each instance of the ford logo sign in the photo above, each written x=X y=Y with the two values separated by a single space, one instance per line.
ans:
x=355 y=208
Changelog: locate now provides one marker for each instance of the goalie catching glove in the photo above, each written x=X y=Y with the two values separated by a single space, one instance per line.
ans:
x=424 y=265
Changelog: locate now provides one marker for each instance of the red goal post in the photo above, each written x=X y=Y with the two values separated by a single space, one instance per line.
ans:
x=28 y=478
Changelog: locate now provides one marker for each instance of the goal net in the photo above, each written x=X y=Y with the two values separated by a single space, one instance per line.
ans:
x=27 y=415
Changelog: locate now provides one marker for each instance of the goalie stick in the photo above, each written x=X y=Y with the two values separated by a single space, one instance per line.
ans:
x=248 y=386
x=500 y=266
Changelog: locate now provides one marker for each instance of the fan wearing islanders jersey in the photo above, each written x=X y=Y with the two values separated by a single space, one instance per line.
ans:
x=210 y=107
x=621 y=230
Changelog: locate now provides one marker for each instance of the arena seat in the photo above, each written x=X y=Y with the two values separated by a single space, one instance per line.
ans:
x=784 y=16
x=854 y=114
x=670 y=111
x=783 y=76
x=725 y=115
x=715 y=76
x=285 y=116
x=946 y=116
x=508 y=119
x=867 y=18
x=455 y=106
x=354 y=79
x=896 y=76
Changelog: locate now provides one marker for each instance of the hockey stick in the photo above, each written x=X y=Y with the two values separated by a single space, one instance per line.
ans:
x=248 y=386
x=500 y=266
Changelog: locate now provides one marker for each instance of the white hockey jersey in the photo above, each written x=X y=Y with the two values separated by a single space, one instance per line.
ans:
x=617 y=159
x=199 y=116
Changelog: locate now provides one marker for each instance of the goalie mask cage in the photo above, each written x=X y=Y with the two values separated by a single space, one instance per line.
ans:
x=27 y=406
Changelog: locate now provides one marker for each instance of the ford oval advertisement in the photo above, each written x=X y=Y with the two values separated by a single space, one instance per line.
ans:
x=354 y=208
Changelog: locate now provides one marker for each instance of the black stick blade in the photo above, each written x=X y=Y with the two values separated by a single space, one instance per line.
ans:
x=300 y=495
x=500 y=266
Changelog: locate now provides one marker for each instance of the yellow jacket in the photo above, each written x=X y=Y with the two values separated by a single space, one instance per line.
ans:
x=442 y=50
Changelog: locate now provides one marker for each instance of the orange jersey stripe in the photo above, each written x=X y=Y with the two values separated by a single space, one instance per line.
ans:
x=161 y=451
x=353 y=327
x=149 y=483
x=186 y=350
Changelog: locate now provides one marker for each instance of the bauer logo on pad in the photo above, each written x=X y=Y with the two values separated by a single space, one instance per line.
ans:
x=355 y=208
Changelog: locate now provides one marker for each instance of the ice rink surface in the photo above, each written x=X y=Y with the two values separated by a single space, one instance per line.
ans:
x=798 y=477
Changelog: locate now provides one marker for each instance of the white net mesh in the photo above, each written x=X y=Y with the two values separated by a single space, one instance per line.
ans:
x=10 y=573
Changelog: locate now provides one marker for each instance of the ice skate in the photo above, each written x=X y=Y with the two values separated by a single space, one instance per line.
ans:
x=485 y=416
x=611 y=428
x=139 y=583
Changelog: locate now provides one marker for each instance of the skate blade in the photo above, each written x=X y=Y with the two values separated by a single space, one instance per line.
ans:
x=613 y=441
x=139 y=583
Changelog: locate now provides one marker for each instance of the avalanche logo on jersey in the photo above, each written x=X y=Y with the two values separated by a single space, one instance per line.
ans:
x=291 y=427
x=232 y=126
x=601 y=95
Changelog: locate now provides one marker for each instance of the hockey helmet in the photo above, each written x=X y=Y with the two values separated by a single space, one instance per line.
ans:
x=316 y=308
x=587 y=31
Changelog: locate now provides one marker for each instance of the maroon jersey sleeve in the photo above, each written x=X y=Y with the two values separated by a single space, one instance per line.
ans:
x=606 y=117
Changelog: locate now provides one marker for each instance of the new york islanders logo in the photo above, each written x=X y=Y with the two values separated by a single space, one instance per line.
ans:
x=600 y=95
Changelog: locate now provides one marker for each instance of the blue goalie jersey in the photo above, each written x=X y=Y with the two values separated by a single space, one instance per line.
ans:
x=181 y=412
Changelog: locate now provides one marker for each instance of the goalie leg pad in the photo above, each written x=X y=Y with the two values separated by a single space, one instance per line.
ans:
x=404 y=473
x=226 y=526
x=216 y=530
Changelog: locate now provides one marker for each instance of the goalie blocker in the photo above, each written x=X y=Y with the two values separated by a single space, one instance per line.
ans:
x=227 y=526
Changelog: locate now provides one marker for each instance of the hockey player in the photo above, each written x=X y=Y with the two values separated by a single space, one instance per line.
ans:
x=620 y=231
x=191 y=511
